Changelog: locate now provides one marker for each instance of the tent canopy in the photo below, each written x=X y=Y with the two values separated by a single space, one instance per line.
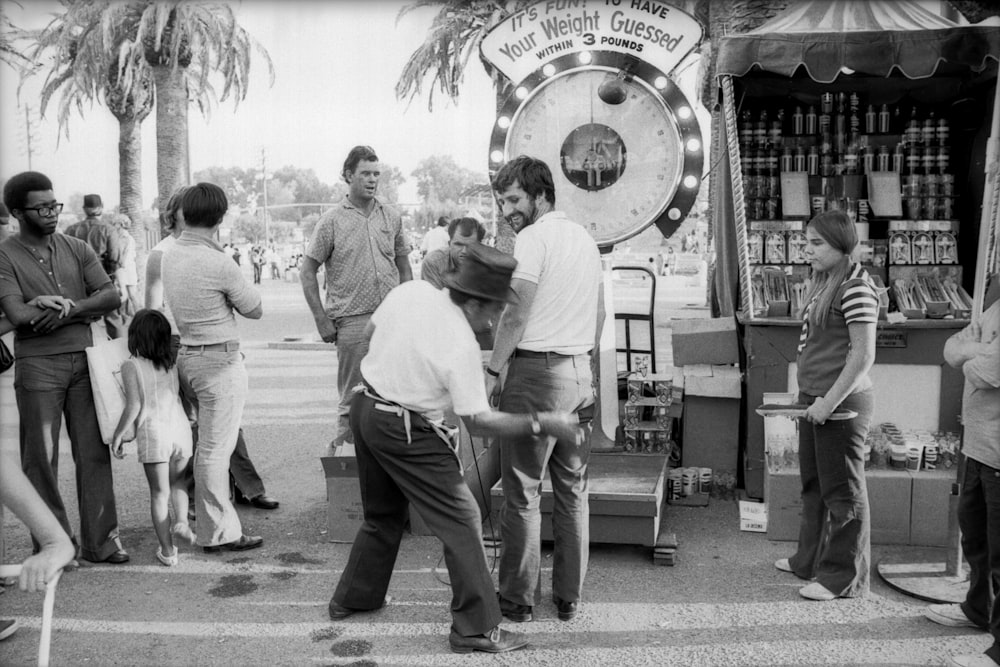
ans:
x=826 y=37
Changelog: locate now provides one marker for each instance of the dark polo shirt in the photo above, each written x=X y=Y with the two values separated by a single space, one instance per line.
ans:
x=74 y=272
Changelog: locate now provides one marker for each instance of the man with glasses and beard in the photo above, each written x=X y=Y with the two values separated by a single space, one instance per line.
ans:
x=51 y=287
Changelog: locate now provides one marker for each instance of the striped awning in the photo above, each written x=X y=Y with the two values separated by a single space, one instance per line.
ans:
x=826 y=37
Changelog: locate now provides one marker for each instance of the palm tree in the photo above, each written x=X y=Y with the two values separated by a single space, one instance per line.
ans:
x=453 y=38
x=82 y=45
x=184 y=43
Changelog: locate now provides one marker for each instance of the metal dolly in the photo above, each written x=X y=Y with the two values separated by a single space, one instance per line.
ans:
x=629 y=318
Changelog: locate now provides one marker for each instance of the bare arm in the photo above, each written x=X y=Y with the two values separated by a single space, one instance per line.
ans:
x=46 y=320
x=512 y=323
x=154 y=280
x=17 y=493
x=860 y=359
x=310 y=289
x=133 y=406
x=403 y=265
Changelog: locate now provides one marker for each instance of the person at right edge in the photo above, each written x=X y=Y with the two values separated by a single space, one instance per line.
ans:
x=835 y=354
x=976 y=350
x=423 y=358
x=548 y=338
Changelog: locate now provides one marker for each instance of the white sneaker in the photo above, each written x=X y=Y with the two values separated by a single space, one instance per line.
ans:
x=783 y=565
x=817 y=591
x=950 y=615
x=977 y=660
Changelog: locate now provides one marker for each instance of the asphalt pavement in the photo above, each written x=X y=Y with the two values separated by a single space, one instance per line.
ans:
x=722 y=603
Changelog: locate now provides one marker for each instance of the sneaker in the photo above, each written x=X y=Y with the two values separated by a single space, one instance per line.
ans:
x=977 y=660
x=817 y=591
x=783 y=565
x=169 y=561
x=497 y=641
x=518 y=613
x=950 y=615
x=8 y=626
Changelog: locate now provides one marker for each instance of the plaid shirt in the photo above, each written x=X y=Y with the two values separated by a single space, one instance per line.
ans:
x=359 y=255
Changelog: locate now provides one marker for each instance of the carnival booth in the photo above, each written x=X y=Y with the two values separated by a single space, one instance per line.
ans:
x=593 y=96
x=883 y=110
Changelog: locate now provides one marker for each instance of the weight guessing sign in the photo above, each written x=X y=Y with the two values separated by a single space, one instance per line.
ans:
x=654 y=32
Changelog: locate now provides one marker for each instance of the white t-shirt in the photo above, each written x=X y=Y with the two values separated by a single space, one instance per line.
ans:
x=561 y=258
x=130 y=276
x=436 y=238
x=423 y=354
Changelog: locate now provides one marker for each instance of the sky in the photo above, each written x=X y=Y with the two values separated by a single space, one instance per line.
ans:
x=336 y=65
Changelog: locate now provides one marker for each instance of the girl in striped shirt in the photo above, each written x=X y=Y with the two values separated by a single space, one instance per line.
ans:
x=835 y=354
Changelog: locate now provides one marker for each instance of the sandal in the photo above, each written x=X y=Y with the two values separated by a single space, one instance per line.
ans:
x=169 y=561
x=183 y=533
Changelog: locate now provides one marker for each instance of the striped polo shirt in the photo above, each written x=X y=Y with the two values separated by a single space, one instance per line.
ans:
x=822 y=351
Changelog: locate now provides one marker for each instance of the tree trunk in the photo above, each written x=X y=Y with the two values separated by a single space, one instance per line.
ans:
x=130 y=188
x=171 y=130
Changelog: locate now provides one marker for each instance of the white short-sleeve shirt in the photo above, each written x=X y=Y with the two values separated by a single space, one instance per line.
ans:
x=423 y=354
x=562 y=259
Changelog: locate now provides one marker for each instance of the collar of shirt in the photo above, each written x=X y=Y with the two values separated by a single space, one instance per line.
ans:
x=348 y=205
x=193 y=239
x=551 y=215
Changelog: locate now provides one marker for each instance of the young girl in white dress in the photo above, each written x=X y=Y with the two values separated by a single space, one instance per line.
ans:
x=162 y=432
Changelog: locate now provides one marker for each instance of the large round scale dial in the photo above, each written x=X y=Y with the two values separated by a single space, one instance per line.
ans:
x=620 y=157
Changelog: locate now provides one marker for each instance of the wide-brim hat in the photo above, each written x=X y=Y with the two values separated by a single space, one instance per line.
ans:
x=92 y=201
x=483 y=272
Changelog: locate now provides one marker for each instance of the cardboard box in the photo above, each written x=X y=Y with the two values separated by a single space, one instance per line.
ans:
x=345 y=513
x=889 y=496
x=711 y=422
x=704 y=341
x=753 y=516
x=930 y=508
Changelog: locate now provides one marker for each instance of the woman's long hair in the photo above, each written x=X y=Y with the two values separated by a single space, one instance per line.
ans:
x=836 y=229
x=149 y=337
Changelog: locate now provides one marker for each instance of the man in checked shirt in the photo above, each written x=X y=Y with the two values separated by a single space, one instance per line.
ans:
x=364 y=249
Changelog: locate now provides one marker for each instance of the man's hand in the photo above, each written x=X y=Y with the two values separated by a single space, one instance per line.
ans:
x=38 y=570
x=53 y=302
x=327 y=329
x=48 y=321
x=493 y=390
x=819 y=411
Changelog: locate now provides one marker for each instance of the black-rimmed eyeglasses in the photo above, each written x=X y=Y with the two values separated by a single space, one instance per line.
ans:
x=46 y=211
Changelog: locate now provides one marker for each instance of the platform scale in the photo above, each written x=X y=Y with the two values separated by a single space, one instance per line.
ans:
x=627 y=490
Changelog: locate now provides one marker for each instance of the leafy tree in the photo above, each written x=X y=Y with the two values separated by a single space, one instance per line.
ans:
x=240 y=184
x=249 y=228
x=440 y=178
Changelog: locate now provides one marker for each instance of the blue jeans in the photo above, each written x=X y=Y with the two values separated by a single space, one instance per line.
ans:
x=562 y=384
x=835 y=532
x=352 y=346
x=48 y=388
x=215 y=385
x=979 y=519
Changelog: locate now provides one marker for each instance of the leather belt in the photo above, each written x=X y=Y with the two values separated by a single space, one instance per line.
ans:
x=531 y=354
x=228 y=346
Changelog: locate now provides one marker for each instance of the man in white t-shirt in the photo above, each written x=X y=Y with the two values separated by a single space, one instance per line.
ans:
x=547 y=338
x=435 y=239
x=422 y=359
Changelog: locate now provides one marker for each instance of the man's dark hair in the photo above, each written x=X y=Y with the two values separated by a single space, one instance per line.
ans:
x=467 y=225
x=530 y=173
x=442 y=221
x=358 y=154
x=15 y=191
x=204 y=204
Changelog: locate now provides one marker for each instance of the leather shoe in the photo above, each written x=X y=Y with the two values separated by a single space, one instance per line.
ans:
x=566 y=610
x=243 y=544
x=264 y=502
x=117 y=558
x=497 y=641
x=518 y=613
x=339 y=612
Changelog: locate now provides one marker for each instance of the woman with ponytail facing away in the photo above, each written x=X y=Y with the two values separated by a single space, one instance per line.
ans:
x=835 y=354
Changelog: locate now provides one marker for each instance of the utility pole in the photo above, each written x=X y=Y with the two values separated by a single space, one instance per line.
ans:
x=28 y=134
x=263 y=177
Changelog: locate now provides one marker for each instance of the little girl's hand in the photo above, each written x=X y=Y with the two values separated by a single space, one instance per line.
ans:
x=118 y=448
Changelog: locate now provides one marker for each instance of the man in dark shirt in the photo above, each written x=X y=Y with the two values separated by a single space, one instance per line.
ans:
x=51 y=287
x=104 y=239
